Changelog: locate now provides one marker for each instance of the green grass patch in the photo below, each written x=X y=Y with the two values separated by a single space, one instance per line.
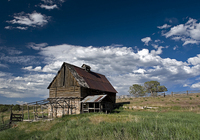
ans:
x=127 y=125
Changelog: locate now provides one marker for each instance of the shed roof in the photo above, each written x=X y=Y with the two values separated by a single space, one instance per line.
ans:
x=89 y=79
x=94 y=98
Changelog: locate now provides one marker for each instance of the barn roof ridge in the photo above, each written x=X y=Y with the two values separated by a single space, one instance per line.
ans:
x=82 y=68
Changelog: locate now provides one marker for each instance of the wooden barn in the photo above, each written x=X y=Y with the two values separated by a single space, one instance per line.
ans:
x=77 y=90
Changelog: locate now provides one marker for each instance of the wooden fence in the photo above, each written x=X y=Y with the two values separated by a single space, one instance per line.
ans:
x=4 y=126
x=176 y=93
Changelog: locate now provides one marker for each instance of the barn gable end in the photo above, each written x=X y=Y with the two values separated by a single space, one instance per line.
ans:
x=64 y=84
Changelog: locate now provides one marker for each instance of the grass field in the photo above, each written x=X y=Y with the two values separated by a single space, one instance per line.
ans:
x=171 y=120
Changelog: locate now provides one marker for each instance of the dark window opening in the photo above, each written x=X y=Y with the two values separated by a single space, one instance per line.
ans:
x=96 y=105
x=91 y=105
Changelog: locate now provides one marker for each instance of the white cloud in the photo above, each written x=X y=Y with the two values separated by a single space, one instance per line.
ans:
x=49 y=7
x=177 y=38
x=34 y=19
x=119 y=64
x=189 y=32
x=8 y=27
x=52 y=1
x=194 y=60
x=196 y=85
x=123 y=67
x=3 y=66
x=189 y=41
x=51 y=4
x=172 y=20
x=146 y=40
x=32 y=85
x=12 y=55
x=36 y=46
x=158 y=41
x=180 y=30
x=165 y=26
x=19 y=27
x=175 y=47
x=11 y=51
x=155 y=46
x=23 y=60
x=21 y=102
x=22 y=28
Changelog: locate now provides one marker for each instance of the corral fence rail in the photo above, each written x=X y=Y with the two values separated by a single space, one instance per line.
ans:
x=187 y=92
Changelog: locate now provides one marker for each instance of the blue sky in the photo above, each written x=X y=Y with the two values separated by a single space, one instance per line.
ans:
x=130 y=42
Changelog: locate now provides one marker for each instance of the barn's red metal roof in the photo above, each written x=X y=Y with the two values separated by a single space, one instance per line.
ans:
x=95 y=80
x=88 y=79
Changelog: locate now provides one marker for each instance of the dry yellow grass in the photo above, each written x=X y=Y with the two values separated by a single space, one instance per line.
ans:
x=179 y=102
x=96 y=119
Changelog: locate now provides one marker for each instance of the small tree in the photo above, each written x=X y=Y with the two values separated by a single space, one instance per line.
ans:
x=154 y=87
x=137 y=90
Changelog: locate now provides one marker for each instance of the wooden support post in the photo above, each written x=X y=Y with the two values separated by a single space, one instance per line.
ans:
x=172 y=94
x=56 y=111
x=10 y=114
x=22 y=112
x=94 y=107
x=71 y=106
x=42 y=112
x=187 y=92
x=82 y=108
x=99 y=107
x=34 y=112
x=75 y=106
x=28 y=112
x=64 y=108
x=68 y=106
x=51 y=112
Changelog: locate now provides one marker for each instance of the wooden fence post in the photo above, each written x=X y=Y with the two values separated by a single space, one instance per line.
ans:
x=22 y=112
x=172 y=93
x=28 y=112
x=187 y=92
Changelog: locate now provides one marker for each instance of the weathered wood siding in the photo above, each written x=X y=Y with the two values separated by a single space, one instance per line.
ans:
x=65 y=85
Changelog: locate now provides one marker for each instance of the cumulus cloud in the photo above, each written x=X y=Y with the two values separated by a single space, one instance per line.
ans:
x=172 y=20
x=146 y=40
x=32 y=85
x=196 y=85
x=36 y=46
x=3 y=65
x=165 y=26
x=51 y=4
x=10 y=51
x=194 y=60
x=12 y=55
x=53 y=1
x=175 y=47
x=22 y=60
x=49 y=7
x=188 y=33
x=122 y=65
x=21 y=102
x=32 y=20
